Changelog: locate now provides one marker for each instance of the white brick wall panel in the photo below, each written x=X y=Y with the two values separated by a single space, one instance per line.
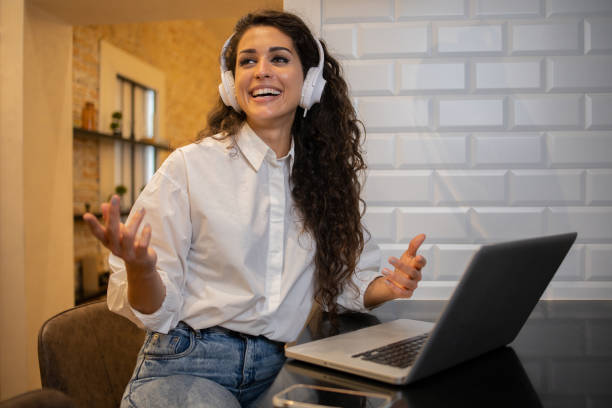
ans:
x=535 y=369
x=598 y=262
x=508 y=75
x=505 y=8
x=380 y=150
x=569 y=378
x=471 y=187
x=381 y=222
x=341 y=39
x=417 y=9
x=591 y=223
x=451 y=260
x=416 y=75
x=598 y=114
x=599 y=187
x=396 y=250
x=536 y=339
x=598 y=35
x=431 y=150
x=393 y=40
x=572 y=267
x=598 y=333
x=586 y=149
x=541 y=160
x=553 y=37
x=508 y=150
x=548 y=111
x=475 y=39
x=546 y=187
x=578 y=7
x=593 y=72
x=464 y=113
x=438 y=223
x=357 y=10
x=393 y=113
x=504 y=223
x=399 y=187
x=370 y=77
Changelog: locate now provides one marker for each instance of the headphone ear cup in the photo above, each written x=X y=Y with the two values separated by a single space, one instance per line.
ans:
x=312 y=88
x=227 y=90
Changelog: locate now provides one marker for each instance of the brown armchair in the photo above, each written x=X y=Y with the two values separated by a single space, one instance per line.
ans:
x=89 y=353
x=45 y=398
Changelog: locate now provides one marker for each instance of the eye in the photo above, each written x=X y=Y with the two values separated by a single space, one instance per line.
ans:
x=279 y=59
x=246 y=61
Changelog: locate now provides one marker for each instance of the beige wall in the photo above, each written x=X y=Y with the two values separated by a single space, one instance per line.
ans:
x=36 y=118
x=13 y=365
x=37 y=277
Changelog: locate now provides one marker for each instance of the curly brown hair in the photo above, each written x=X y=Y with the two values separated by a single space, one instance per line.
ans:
x=328 y=159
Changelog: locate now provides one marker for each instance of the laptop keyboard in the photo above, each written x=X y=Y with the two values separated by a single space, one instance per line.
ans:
x=400 y=354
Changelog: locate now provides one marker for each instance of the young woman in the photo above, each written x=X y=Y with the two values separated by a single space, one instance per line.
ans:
x=249 y=226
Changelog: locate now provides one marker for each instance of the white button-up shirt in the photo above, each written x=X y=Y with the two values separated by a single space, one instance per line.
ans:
x=230 y=244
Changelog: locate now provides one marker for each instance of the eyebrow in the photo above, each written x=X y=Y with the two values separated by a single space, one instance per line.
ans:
x=272 y=49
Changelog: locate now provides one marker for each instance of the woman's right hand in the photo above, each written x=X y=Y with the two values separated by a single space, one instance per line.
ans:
x=121 y=238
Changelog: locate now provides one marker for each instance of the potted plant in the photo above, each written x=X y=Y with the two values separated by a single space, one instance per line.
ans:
x=120 y=190
x=116 y=123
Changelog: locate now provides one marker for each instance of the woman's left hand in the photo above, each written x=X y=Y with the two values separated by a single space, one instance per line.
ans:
x=399 y=282
x=405 y=277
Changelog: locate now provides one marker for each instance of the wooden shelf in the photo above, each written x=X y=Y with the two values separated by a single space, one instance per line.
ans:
x=91 y=134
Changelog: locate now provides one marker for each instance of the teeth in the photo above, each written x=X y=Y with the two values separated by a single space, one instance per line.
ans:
x=265 y=91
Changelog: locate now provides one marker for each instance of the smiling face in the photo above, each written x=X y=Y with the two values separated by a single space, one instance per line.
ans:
x=268 y=77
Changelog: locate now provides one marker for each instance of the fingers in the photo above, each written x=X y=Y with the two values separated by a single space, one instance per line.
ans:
x=142 y=244
x=398 y=284
x=113 y=232
x=418 y=262
x=414 y=245
x=406 y=268
x=96 y=228
x=404 y=279
x=128 y=232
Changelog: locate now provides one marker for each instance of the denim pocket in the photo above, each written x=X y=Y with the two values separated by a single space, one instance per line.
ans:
x=177 y=343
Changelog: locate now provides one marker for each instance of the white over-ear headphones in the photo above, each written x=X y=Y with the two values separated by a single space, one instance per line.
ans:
x=311 y=90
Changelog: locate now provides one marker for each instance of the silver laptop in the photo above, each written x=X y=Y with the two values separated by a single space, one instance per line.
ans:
x=498 y=290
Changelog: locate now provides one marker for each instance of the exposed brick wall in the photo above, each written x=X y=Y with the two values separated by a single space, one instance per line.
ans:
x=187 y=52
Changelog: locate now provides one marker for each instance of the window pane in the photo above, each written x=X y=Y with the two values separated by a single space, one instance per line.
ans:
x=149 y=163
x=139 y=115
x=138 y=169
x=150 y=113
x=127 y=109
x=126 y=201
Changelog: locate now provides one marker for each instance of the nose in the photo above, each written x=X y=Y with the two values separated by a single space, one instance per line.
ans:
x=262 y=70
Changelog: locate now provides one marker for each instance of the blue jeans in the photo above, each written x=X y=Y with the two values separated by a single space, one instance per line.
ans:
x=212 y=367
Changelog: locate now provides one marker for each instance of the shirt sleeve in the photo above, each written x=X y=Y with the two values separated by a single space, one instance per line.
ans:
x=166 y=202
x=368 y=269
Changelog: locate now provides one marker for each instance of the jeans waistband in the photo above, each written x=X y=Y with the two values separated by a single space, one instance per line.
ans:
x=233 y=333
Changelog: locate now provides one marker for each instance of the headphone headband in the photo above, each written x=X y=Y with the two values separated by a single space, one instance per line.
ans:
x=222 y=62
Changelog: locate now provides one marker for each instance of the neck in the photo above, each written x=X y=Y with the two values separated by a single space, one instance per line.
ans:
x=278 y=138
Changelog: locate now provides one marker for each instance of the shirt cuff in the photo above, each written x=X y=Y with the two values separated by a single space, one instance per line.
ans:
x=166 y=317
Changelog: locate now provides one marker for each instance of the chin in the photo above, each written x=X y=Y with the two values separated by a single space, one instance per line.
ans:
x=259 y=116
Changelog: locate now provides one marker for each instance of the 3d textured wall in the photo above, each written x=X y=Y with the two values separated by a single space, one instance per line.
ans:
x=487 y=120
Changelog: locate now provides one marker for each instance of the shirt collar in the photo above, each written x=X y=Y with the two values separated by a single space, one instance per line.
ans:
x=256 y=150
